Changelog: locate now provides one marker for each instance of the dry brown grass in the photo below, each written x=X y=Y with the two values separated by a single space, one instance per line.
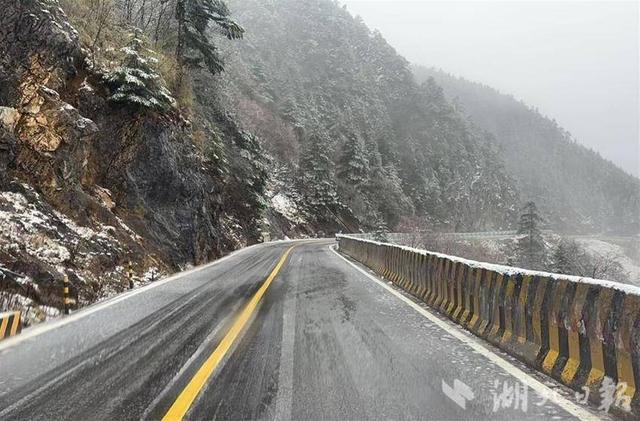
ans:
x=103 y=34
x=95 y=21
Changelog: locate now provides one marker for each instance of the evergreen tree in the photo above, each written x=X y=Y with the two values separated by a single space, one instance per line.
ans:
x=570 y=258
x=384 y=190
x=381 y=230
x=289 y=109
x=421 y=153
x=136 y=82
x=353 y=166
x=414 y=178
x=194 y=46
x=216 y=154
x=316 y=175
x=531 y=249
x=246 y=182
x=560 y=259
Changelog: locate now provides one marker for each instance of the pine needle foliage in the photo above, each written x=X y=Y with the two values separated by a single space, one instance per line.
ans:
x=135 y=82
x=531 y=248
x=194 y=44
x=353 y=167
x=316 y=178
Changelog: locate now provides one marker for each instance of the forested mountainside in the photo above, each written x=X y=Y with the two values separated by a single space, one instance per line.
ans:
x=100 y=166
x=354 y=136
x=574 y=187
x=122 y=139
x=168 y=132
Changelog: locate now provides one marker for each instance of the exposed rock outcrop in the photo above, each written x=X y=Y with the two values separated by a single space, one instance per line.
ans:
x=99 y=183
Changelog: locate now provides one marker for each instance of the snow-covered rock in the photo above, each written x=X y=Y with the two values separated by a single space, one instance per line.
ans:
x=9 y=117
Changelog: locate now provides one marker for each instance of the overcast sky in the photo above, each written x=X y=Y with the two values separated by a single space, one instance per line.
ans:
x=576 y=61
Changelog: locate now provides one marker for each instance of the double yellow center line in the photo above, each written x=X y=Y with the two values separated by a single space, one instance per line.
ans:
x=186 y=398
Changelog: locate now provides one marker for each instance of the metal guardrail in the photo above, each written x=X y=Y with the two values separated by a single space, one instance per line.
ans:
x=583 y=332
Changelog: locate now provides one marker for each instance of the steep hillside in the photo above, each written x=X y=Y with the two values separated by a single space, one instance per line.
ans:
x=576 y=188
x=120 y=140
x=88 y=184
x=307 y=72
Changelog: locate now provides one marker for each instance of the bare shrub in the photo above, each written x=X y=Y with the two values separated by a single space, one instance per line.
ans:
x=451 y=245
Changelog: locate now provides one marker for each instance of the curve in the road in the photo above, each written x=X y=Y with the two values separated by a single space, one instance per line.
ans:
x=325 y=342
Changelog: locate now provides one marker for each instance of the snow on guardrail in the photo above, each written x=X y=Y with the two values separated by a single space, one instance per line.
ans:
x=584 y=332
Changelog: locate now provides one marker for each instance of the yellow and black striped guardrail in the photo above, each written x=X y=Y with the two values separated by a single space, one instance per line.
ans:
x=10 y=324
x=580 y=331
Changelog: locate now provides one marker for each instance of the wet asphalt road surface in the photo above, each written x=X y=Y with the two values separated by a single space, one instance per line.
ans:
x=325 y=343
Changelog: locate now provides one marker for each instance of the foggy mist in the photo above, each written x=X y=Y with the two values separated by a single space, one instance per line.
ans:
x=577 y=62
x=250 y=209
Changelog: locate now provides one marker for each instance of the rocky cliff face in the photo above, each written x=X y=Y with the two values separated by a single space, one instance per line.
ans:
x=86 y=186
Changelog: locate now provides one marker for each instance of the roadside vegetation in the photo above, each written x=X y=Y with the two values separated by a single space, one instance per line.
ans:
x=139 y=37
x=530 y=247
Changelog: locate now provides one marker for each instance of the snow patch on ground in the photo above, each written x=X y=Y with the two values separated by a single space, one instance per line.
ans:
x=21 y=212
x=23 y=224
x=40 y=242
x=83 y=232
x=152 y=274
x=46 y=237
x=286 y=207
x=32 y=312
x=603 y=248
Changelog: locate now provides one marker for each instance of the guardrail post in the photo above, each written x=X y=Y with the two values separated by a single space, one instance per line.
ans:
x=10 y=324
x=65 y=293
x=130 y=274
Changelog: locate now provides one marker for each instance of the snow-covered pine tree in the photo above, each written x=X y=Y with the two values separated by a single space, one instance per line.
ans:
x=316 y=178
x=531 y=249
x=560 y=259
x=381 y=230
x=245 y=183
x=289 y=109
x=194 y=45
x=353 y=166
x=135 y=82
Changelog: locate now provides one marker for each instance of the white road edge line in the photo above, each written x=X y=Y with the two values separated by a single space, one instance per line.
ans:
x=514 y=371
x=64 y=320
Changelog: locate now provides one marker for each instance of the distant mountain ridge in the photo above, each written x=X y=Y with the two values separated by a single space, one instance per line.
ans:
x=575 y=187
